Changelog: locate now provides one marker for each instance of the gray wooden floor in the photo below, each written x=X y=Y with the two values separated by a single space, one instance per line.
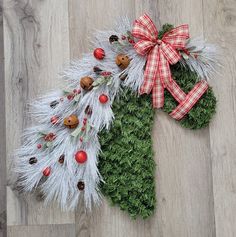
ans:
x=196 y=171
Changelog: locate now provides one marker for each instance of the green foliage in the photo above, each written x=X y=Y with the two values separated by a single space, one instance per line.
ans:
x=165 y=28
x=126 y=163
x=200 y=115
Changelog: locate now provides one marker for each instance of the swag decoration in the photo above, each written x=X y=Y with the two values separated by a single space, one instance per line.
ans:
x=94 y=137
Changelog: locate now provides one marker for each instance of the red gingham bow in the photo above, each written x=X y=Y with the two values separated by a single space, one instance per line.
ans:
x=160 y=53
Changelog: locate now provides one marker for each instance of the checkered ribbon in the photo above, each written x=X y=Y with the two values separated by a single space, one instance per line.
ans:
x=160 y=54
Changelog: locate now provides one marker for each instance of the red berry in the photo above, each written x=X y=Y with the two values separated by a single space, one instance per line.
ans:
x=103 y=98
x=70 y=97
x=83 y=129
x=123 y=37
x=47 y=171
x=54 y=120
x=50 y=137
x=85 y=121
x=75 y=91
x=81 y=157
x=99 y=53
x=78 y=91
x=39 y=146
x=106 y=74
x=131 y=41
x=81 y=139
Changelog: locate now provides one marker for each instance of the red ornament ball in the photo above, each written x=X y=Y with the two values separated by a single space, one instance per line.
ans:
x=99 y=53
x=47 y=171
x=81 y=157
x=103 y=98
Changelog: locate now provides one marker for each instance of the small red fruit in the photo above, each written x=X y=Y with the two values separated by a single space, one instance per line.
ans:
x=47 y=171
x=50 y=137
x=103 y=98
x=123 y=37
x=70 y=97
x=81 y=139
x=84 y=121
x=81 y=157
x=54 y=120
x=99 y=53
x=105 y=74
x=131 y=41
x=39 y=146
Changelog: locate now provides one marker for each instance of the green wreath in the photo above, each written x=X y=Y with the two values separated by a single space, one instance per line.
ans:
x=59 y=154
x=126 y=163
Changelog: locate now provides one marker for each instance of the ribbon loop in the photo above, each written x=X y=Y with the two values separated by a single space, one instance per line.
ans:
x=145 y=29
x=160 y=54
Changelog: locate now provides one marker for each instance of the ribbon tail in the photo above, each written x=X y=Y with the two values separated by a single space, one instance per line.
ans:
x=164 y=71
x=150 y=72
x=158 y=94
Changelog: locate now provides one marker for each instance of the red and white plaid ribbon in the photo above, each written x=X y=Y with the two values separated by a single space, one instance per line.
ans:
x=160 y=53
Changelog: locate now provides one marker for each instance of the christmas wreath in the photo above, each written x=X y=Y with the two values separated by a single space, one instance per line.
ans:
x=94 y=137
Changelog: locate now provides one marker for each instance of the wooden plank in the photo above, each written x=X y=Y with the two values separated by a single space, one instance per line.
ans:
x=183 y=175
x=106 y=220
x=219 y=27
x=184 y=181
x=63 y=230
x=88 y=16
x=36 y=49
x=2 y=135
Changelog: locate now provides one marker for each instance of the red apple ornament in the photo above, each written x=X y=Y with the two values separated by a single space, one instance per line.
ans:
x=103 y=98
x=81 y=157
x=99 y=53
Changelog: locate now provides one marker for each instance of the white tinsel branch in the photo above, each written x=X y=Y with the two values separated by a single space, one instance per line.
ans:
x=202 y=58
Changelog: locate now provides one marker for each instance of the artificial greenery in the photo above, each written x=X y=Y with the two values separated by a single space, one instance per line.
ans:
x=200 y=115
x=126 y=162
